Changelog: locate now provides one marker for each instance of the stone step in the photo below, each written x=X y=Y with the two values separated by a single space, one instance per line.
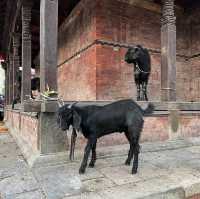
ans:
x=3 y=129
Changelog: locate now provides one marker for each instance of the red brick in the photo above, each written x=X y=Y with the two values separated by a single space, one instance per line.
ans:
x=121 y=22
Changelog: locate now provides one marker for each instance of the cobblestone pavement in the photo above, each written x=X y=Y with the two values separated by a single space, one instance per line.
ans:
x=172 y=173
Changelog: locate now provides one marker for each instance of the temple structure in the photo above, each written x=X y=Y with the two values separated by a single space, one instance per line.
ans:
x=78 y=47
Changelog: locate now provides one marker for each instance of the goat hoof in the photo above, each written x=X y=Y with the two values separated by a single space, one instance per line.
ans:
x=134 y=171
x=81 y=171
x=91 y=165
x=127 y=163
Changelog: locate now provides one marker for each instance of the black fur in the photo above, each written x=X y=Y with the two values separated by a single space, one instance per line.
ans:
x=94 y=122
x=140 y=57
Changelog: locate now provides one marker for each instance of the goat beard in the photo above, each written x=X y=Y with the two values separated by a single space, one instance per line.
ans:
x=73 y=143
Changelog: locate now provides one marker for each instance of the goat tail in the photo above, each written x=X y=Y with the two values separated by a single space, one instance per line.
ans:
x=150 y=108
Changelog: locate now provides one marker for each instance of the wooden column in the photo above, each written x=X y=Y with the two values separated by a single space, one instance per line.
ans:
x=48 y=141
x=7 y=84
x=26 y=49
x=168 y=51
x=16 y=63
x=10 y=83
x=48 y=44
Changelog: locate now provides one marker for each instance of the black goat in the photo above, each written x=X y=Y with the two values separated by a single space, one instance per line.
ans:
x=94 y=122
x=140 y=57
x=68 y=115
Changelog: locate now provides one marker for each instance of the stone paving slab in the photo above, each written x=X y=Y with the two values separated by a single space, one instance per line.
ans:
x=166 y=174
x=28 y=195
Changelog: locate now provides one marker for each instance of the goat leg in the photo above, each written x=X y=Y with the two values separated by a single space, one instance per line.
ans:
x=130 y=155
x=144 y=91
x=138 y=92
x=73 y=142
x=135 y=162
x=93 y=159
x=88 y=148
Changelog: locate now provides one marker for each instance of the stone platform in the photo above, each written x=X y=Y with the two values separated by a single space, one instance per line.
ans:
x=34 y=127
x=167 y=170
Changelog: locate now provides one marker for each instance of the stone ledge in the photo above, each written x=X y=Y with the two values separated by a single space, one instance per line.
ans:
x=160 y=107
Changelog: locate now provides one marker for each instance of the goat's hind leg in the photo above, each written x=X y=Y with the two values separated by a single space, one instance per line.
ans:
x=130 y=153
x=93 y=158
x=136 y=151
x=134 y=133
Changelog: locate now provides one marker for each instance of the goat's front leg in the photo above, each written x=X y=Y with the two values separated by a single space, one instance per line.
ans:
x=138 y=92
x=93 y=159
x=88 y=148
x=73 y=142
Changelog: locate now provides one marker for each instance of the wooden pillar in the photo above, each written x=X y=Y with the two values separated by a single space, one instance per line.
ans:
x=10 y=83
x=16 y=63
x=48 y=44
x=168 y=51
x=26 y=49
x=48 y=142
x=7 y=84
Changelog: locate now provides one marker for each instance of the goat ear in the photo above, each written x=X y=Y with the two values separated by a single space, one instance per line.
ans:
x=76 y=120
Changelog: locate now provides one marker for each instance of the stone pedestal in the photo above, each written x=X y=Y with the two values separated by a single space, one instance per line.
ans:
x=51 y=138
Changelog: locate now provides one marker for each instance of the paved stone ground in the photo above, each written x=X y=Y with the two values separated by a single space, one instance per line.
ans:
x=166 y=174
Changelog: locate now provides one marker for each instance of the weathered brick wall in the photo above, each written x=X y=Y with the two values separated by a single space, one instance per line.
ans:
x=77 y=77
x=24 y=126
x=156 y=128
x=77 y=31
x=197 y=196
x=100 y=71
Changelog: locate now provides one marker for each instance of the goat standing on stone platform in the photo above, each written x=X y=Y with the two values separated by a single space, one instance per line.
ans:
x=95 y=121
x=140 y=57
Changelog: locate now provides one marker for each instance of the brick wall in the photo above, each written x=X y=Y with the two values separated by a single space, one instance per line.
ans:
x=24 y=126
x=77 y=31
x=100 y=73
x=156 y=128
x=197 y=196
x=77 y=77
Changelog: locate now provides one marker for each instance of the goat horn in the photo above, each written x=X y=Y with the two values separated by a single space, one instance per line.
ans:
x=60 y=102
